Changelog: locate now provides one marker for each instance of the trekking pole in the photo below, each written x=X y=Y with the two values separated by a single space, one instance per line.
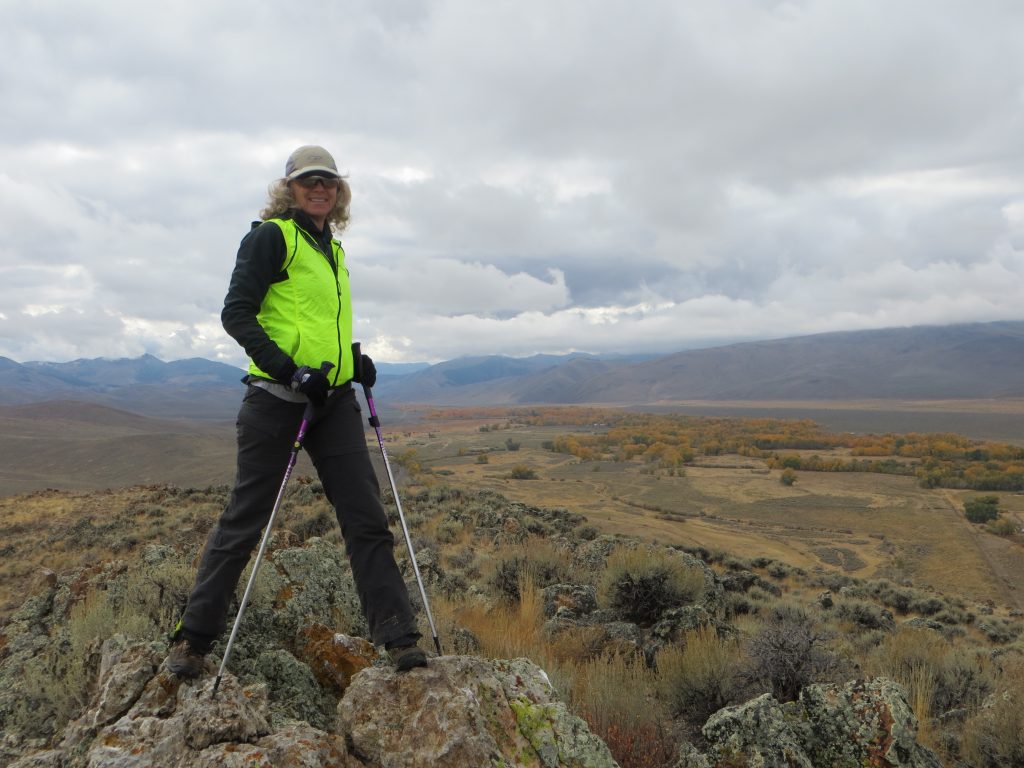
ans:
x=307 y=417
x=374 y=421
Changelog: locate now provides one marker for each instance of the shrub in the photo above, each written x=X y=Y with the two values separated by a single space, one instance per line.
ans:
x=640 y=583
x=448 y=531
x=938 y=676
x=536 y=561
x=613 y=694
x=982 y=509
x=789 y=653
x=994 y=737
x=323 y=522
x=483 y=458
x=522 y=472
x=699 y=678
x=1001 y=526
x=788 y=476
x=865 y=615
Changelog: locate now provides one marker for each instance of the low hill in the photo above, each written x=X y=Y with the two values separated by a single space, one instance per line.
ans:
x=193 y=388
x=76 y=445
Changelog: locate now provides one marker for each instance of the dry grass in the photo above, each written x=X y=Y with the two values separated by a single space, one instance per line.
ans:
x=887 y=524
x=700 y=677
x=508 y=630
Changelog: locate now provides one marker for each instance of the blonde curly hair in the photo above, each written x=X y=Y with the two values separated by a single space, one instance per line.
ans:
x=280 y=201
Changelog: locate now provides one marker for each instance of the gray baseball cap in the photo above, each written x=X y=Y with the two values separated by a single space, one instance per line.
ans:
x=309 y=159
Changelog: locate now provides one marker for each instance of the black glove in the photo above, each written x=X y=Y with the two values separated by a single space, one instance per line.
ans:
x=366 y=371
x=313 y=383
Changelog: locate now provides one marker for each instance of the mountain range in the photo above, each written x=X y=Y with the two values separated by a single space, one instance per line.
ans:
x=978 y=360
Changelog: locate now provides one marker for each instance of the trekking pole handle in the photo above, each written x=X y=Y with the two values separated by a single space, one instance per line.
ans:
x=357 y=361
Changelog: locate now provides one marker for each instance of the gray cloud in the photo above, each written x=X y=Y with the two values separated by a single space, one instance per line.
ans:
x=528 y=178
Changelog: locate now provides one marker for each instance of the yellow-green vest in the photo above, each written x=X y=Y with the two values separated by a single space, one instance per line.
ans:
x=309 y=314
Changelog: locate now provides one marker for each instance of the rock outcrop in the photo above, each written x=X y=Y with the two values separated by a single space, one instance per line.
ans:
x=840 y=726
x=460 y=711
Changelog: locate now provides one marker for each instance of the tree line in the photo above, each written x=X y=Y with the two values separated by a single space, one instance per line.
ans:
x=670 y=441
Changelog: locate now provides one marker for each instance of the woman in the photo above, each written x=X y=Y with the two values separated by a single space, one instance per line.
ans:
x=288 y=305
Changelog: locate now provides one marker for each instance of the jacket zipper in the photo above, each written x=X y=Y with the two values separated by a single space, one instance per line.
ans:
x=337 y=290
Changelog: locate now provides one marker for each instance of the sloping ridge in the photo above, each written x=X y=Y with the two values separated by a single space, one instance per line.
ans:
x=967 y=361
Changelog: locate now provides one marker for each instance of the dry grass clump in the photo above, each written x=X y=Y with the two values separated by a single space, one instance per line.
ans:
x=923 y=661
x=700 y=676
x=616 y=695
x=994 y=735
x=509 y=629
x=57 y=681
x=535 y=560
x=640 y=583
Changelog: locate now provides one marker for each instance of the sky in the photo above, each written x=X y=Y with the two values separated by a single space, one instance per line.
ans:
x=537 y=176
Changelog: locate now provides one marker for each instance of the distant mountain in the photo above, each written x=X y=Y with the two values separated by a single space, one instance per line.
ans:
x=980 y=360
x=194 y=388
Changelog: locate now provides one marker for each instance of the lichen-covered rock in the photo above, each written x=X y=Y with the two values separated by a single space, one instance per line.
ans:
x=51 y=758
x=293 y=690
x=864 y=722
x=569 y=601
x=760 y=731
x=317 y=585
x=691 y=757
x=141 y=716
x=841 y=726
x=592 y=555
x=462 y=711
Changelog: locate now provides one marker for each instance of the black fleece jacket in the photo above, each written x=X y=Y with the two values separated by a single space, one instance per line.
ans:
x=261 y=255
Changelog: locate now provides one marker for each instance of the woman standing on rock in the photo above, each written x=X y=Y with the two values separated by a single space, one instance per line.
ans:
x=288 y=305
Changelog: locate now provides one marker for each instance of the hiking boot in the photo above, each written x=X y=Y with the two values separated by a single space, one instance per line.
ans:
x=407 y=657
x=185 y=660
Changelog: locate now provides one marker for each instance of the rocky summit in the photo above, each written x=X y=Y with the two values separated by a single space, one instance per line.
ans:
x=459 y=711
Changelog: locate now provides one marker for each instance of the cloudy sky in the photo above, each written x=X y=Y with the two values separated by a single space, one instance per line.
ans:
x=529 y=176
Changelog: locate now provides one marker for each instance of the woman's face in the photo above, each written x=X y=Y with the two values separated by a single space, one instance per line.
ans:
x=316 y=195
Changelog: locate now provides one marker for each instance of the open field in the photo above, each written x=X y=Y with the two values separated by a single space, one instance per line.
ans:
x=863 y=524
x=998 y=420
x=866 y=525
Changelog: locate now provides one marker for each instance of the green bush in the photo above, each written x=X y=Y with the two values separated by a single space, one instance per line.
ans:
x=865 y=615
x=640 y=583
x=982 y=509
x=1002 y=526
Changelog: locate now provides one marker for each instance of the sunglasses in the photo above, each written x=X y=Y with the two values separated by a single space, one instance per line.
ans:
x=309 y=182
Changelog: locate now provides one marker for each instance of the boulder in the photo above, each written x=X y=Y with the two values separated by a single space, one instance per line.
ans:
x=465 y=712
x=842 y=726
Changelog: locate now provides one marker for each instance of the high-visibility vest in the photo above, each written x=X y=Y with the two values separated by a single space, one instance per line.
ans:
x=308 y=314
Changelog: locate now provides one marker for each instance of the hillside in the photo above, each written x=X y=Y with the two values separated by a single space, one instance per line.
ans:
x=716 y=656
x=982 y=360
x=925 y=363
x=194 y=388
x=76 y=446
